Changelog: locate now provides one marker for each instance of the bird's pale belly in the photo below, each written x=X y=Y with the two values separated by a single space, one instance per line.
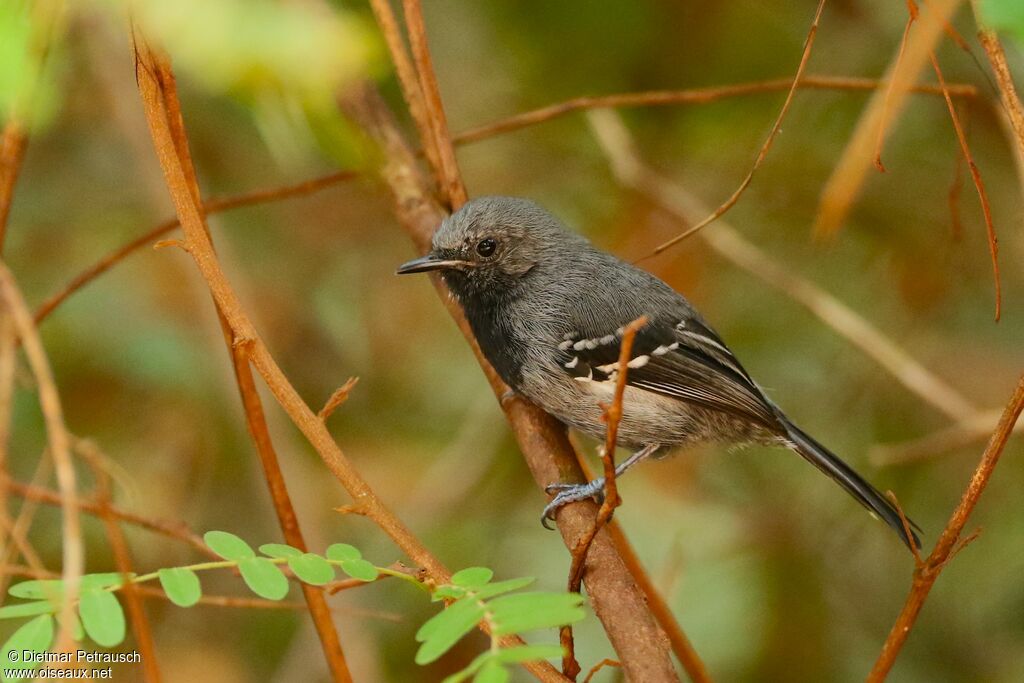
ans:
x=646 y=417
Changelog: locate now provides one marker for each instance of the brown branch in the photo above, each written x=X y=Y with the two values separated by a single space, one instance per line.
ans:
x=617 y=601
x=600 y=665
x=850 y=172
x=200 y=249
x=612 y=415
x=123 y=561
x=950 y=540
x=209 y=208
x=986 y=209
x=12 y=152
x=912 y=14
x=175 y=530
x=407 y=80
x=18 y=531
x=1007 y=91
x=725 y=240
x=451 y=180
x=657 y=98
x=537 y=116
x=763 y=152
x=59 y=445
x=339 y=396
x=252 y=405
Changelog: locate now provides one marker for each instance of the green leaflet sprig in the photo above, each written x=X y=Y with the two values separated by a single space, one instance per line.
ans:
x=472 y=598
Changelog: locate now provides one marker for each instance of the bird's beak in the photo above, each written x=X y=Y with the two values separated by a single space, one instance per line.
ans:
x=430 y=262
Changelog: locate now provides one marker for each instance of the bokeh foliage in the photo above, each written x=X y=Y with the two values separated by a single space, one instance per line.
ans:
x=774 y=574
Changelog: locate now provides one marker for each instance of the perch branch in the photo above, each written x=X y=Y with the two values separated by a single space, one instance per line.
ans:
x=950 y=540
x=617 y=601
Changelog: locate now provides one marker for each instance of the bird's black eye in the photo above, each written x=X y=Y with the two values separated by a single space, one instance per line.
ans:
x=486 y=247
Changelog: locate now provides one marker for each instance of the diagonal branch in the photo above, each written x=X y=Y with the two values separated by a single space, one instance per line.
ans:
x=950 y=540
x=617 y=601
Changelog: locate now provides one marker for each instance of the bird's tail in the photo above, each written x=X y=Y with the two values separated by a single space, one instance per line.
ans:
x=844 y=475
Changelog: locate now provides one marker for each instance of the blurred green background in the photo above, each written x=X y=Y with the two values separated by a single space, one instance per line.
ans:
x=774 y=573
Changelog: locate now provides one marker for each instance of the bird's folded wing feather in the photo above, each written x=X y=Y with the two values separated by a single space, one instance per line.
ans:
x=685 y=360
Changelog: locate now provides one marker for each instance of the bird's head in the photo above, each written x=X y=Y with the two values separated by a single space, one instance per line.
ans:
x=485 y=248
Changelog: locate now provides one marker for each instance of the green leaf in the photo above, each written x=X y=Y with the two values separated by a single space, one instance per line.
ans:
x=181 y=585
x=102 y=617
x=263 y=577
x=98 y=581
x=27 y=609
x=492 y=672
x=360 y=569
x=445 y=629
x=444 y=592
x=493 y=589
x=35 y=635
x=227 y=545
x=472 y=577
x=530 y=611
x=473 y=667
x=312 y=568
x=528 y=653
x=40 y=589
x=339 y=552
x=279 y=550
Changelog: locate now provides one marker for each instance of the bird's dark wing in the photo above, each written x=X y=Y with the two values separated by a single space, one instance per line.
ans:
x=681 y=359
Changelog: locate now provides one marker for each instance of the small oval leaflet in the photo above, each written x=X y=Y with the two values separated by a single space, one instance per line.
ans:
x=472 y=577
x=311 y=568
x=102 y=617
x=181 y=586
x=263 y=577
x=35 y=635
x=360 y=569
x=339 y=552
x=279 y=550
x=227 y=545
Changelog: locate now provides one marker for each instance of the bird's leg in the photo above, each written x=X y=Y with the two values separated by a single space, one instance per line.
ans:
x=572 y=493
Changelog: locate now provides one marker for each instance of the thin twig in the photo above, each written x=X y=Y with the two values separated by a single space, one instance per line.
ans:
x=175 y=530
x=657 y=98
x=123 y=562
x=763 y=152
x=1007 y=91
x=986 y=210
x=729 y=243
x=950 y=540
x=912 y=14
x=252 y=405
x=451 y=179
x=407 y=80
x=612 y=415
x=59 y=446
x=209 y=208
x=339 y=396
x=600 y=665
x=12 y=152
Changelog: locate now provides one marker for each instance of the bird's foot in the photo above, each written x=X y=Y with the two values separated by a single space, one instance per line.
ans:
x=571 y=493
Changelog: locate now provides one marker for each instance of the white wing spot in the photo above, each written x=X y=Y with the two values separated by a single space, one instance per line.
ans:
x=638 y=362
x=564 y=346
x=608 y=339
x=571 y=364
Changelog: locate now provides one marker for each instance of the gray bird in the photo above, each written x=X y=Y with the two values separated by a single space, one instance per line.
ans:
x=548 y=310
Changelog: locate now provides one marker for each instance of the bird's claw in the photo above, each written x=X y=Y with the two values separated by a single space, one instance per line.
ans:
x=570 y=493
